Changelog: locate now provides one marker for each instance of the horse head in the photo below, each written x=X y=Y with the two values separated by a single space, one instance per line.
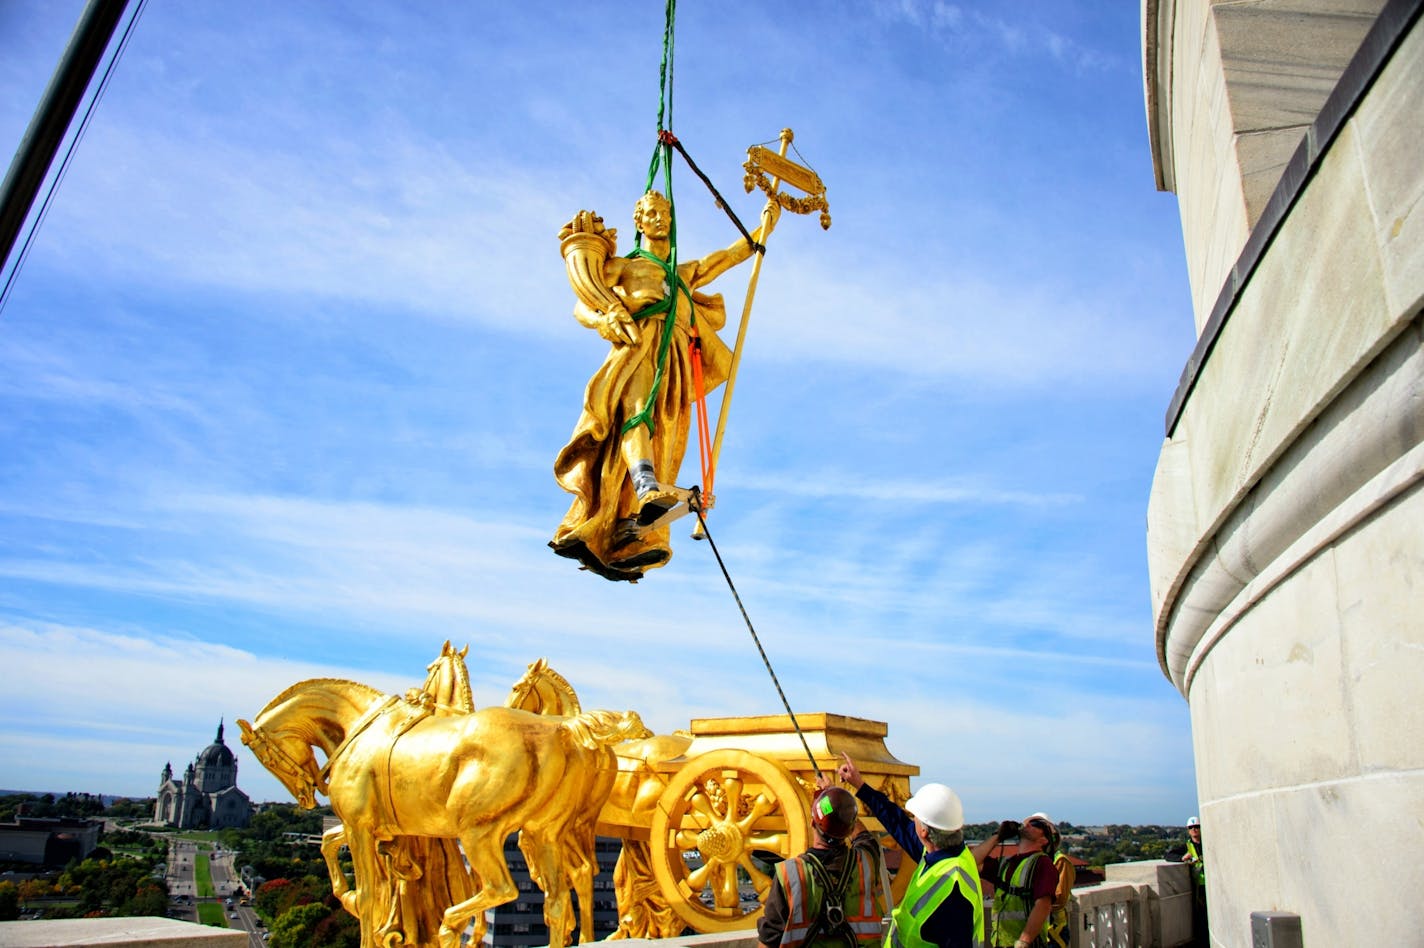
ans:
x=543 y=691
x=297 y=773
x=310 y=714
x=447 y=681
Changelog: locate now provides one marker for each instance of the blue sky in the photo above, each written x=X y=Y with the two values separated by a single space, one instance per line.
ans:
x=284 y=375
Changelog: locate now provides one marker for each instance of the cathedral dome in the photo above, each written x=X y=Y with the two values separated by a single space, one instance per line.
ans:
x=217 y=753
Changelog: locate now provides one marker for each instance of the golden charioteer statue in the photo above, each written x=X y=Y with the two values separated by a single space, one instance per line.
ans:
x=622 y=461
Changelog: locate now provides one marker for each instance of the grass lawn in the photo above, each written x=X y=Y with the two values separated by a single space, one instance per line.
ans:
x=211 y=913
x=203 y=876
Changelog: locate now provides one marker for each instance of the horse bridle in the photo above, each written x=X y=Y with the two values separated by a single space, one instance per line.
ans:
x=274 y=758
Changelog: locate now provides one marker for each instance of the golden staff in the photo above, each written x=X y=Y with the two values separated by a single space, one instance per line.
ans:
x=759 y=163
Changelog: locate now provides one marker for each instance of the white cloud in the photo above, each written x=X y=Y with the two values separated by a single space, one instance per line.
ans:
x=121 y=704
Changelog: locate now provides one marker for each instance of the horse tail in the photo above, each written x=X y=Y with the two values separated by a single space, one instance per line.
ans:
x=595 y=729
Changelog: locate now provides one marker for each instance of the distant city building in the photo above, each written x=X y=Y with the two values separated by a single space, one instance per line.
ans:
x=207 y=797
x=520 y=924
x=48 y=841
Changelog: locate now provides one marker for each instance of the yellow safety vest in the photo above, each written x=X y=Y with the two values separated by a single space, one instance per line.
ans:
x=805 y=896
x=1198 y=867
x=1056 y=928
x=1013 y=903
x=929 y=887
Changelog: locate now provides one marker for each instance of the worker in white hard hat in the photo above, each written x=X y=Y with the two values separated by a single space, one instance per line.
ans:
x=1055 y=930
x=944 y=904
x=1025 y=881
x=1193 y=858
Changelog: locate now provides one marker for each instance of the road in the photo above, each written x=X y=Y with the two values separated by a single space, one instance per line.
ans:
x=227 y=882
x=182 y=854
x=182 y=881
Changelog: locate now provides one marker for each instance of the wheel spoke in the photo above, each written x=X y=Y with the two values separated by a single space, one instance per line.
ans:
x=732 y=786
x=760 y=880
x=699 y=804
x=725 y=890
x=761 y=806
x=772 y=842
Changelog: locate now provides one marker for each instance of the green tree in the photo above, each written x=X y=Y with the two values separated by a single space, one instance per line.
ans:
x=340 y=929
x=149 y=898
x=131 y=809
x=269 y=896
x=295 y=927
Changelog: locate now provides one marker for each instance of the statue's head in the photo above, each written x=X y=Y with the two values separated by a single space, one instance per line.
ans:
x=652 y=215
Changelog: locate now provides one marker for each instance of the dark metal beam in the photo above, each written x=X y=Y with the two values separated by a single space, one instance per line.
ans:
x=53 y=116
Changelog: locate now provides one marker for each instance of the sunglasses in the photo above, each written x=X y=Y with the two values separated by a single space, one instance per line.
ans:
x=1040 y=825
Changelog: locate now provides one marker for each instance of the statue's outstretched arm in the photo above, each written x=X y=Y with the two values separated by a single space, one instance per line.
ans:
x=718 y=262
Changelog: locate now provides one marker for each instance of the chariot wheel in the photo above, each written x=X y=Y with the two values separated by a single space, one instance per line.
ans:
x=719 y=812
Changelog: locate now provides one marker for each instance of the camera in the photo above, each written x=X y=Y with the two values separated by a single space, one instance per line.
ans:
x=1008 y=829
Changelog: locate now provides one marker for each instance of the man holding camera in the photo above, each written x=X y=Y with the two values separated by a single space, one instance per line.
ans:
x=1024 y=883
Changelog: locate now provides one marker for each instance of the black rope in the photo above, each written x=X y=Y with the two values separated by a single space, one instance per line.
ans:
x=756 y=247
x=696 y=506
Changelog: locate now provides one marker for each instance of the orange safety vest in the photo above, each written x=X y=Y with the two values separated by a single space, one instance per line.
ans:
x=806 y=895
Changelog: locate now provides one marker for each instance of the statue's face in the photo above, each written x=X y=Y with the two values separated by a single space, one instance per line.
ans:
x=653 y=216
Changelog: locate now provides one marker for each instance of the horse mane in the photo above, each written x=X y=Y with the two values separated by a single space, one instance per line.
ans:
x=304 y=685
x=594 y=729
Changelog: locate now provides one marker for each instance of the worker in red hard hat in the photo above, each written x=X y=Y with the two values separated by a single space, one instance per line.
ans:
x=943 y=906
x=826 y=897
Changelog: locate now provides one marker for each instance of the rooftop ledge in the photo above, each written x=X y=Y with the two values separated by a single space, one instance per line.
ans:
x=144 y=932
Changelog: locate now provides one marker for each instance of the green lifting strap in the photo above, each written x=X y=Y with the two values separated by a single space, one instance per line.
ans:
x=668 y=306
x=662 y=156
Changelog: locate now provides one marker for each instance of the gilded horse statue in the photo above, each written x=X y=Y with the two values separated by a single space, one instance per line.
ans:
x=396 y=769
x=643 y=910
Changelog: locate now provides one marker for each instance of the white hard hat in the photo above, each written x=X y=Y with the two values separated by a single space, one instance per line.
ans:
x=937 y=806
x=1193 y=821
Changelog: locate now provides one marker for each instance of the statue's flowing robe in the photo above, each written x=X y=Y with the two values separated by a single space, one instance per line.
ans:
x=592 y=467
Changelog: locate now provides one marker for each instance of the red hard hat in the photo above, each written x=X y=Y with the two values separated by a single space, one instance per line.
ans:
x=834 y=812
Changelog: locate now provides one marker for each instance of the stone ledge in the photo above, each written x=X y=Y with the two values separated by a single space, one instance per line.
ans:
x=134 y=932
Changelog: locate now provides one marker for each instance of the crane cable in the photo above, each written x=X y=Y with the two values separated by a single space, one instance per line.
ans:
x=697 y=508
x=662 y=158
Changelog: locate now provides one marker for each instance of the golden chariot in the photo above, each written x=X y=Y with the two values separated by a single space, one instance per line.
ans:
x=428 y=788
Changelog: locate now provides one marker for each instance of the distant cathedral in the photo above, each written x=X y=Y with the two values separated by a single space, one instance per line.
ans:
x=207 y=797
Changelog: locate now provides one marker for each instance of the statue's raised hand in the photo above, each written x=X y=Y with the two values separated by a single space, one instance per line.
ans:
x=617 y=326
